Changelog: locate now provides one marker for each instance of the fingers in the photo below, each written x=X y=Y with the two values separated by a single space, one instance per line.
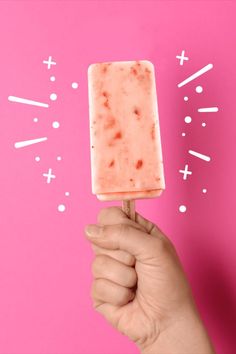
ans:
x=108 y=268
x=112 y=216
x=106 y=291
x=121 y=256
x=122 y=237
x=115 y=215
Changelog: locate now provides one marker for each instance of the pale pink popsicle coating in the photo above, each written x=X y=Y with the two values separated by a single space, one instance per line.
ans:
x=126 y=155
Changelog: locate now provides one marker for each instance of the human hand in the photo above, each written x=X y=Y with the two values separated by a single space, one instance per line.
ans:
x=140 y=286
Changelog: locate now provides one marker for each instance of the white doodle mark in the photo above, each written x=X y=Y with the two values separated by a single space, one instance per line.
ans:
x=55 y=125
x=21 y=144
x=196 y=74
x=185 y=172
x=27 y=101
x=188 y=119
x=208 y=109
x=61 y=208
x=49 y=175
x=200 y=156
x=199 y=89
x=49 y=62
x=182 y=57
x=53 y=96
x=182 y=208
x=74 y=85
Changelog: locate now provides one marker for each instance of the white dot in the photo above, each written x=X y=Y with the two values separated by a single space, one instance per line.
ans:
x=183 y=134
x=37 y=158
x=74 y=85
x=35 y=120
x=188 y=119
x=186 y=98
x=52 y=78
x=53 y=96
x=182 y=208
x=58 y=158
x=61 y=207
x=199 y=89
x=203 y=124
x=67 y=194
x=204 y=190
x=56 y=125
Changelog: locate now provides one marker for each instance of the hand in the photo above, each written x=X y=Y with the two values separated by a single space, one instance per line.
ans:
x=140 y=286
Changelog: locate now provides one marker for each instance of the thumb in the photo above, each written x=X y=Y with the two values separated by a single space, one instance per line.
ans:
x=123 y=237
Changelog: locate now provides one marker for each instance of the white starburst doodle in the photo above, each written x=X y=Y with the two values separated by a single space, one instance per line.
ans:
x=188 y=119
x=55 y=124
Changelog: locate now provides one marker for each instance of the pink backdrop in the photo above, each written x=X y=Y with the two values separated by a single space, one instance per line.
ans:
x=45 y=274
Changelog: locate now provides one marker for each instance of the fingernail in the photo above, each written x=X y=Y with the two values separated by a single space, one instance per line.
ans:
x=92 y=230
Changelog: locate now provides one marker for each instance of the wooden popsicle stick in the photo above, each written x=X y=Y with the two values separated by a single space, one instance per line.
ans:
x=128 y=206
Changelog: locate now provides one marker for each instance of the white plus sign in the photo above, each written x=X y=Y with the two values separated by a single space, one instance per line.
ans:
x=49 y=62
x=182 y=57
x=49 y=175
x=185 y=172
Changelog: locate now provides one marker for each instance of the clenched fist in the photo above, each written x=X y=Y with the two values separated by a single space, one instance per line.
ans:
x=140 y=286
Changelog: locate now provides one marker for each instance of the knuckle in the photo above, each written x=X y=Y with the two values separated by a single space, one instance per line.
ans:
x=102 y=260
x=106 y=229
x=132 y=278
x=99 y=262
x=92 y=291
x=114 y=209
x=124 y=296
x=102 y=214
x=124 y=230
x=105 y=213
x=97 y=305
x=97 y=289
x=129 y=259
x=94 y=266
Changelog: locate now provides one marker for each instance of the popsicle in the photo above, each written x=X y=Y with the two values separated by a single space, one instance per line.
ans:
x=126 y=153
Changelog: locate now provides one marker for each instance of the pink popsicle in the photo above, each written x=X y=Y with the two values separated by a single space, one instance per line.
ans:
x=126 y=155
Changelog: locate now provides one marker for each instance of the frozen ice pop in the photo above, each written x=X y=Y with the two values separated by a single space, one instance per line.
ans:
x=126 y=154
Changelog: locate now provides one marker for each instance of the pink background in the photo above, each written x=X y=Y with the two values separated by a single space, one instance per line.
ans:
x=45 y=274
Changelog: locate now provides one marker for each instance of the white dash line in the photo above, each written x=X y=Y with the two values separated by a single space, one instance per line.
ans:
x=200 y=156
x=195 y=75
x=208 y=109
x=27 y=101
x=21 y=144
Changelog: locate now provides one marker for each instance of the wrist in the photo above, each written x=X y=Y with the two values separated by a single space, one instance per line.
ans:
x=185 y=335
